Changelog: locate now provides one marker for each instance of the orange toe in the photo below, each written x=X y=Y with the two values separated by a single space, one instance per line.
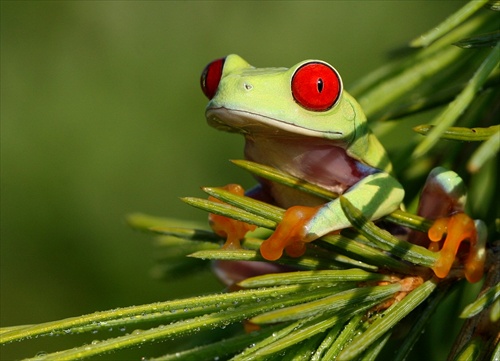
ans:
x=458 y=227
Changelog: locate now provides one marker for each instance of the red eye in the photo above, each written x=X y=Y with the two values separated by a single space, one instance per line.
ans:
x=316 y=86
x=210 y=77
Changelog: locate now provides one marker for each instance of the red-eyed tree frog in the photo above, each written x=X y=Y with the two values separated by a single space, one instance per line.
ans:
x=302 y=122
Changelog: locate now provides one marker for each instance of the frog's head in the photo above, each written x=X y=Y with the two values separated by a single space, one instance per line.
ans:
x=306 y=100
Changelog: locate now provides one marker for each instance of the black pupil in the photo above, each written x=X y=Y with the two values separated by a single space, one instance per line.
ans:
x=319 y=84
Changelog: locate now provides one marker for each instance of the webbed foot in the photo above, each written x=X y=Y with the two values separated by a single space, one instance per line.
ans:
x=458 y=227
x=290 y=235
x=231 y=229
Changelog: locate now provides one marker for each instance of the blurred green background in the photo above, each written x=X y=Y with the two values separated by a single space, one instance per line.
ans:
x=102 y=115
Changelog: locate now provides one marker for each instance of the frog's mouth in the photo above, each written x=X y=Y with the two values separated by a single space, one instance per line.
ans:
x=248 y=123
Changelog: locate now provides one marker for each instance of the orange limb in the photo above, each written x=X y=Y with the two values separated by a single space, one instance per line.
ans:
x=458 y=227
x=231 y=229
x=290 y=235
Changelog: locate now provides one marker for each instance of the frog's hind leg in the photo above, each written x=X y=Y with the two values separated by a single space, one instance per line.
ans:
x=443 y=200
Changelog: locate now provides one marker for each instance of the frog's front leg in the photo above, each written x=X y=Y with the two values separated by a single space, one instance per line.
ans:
x=231 y=229
x=375 y=195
